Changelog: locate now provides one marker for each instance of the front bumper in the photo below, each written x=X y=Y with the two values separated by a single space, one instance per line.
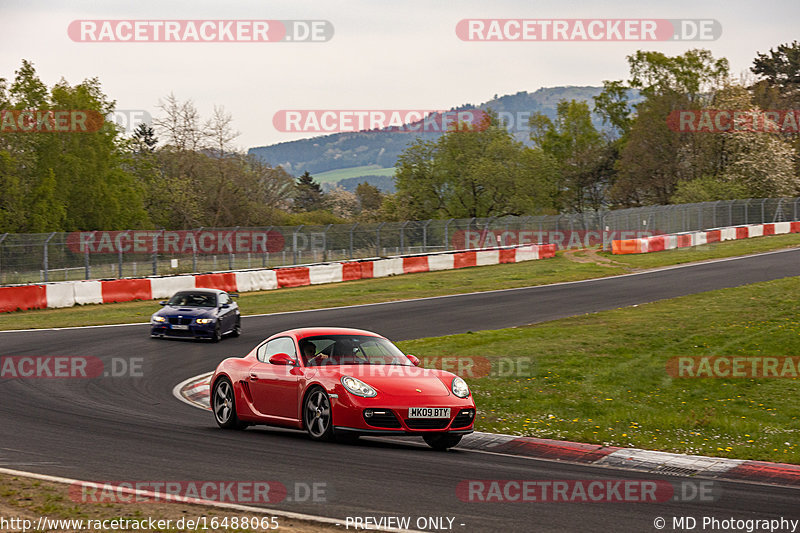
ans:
x=391 y=418
x=195 y=331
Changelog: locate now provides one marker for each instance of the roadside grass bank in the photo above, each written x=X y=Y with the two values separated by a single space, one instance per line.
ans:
x=562 y=268
x=23 y=498
x=602 y=378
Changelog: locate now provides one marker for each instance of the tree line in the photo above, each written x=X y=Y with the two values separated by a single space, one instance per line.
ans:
x=182 y=171
x=639 y=159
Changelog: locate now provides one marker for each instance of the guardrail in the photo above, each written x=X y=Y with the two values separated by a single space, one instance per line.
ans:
x=44 y=257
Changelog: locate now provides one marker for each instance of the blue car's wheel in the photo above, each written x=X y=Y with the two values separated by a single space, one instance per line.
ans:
x=217 y=335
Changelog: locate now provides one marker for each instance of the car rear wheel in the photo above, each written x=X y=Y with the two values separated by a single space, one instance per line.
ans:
x=317 y=415
x=442 y=442
x=237 y=329
x=223 y=404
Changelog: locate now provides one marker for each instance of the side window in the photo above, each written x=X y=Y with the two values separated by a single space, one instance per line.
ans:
x=279 y=345
x=224 y=299
x=261 y=352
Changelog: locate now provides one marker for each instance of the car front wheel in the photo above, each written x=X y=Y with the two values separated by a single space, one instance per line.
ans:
x=223 y=404
x=442 y=442
x=317 y=415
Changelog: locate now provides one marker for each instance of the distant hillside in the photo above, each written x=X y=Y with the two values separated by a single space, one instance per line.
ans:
x=379 y=150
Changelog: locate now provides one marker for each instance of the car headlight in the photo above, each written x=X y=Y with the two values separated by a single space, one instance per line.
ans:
x=204 y=320
x=358 y=387
x=460 y=388
x=159 y=319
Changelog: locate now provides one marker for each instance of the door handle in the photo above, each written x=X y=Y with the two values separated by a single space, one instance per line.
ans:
x=253 y=376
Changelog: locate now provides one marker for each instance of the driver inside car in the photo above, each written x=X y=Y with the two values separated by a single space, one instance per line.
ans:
x=308 y=349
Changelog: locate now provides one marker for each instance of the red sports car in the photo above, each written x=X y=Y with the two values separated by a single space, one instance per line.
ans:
x=343 y=383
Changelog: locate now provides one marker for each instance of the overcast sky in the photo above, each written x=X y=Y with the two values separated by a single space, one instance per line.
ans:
x=384 y=54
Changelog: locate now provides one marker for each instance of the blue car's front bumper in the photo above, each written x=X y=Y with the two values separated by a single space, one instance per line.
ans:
x=192 y=331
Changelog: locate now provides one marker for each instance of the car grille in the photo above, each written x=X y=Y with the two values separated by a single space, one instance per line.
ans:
x=178 y=333
x=427 y=423
x=179 y=321
x=464 y=418
x=382 y=418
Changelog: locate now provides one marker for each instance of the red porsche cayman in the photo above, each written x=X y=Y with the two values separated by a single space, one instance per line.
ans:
x=336 y=382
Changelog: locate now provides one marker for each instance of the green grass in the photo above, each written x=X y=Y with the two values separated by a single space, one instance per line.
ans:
x=352 y=172
x=558 y=269
x=602 y=378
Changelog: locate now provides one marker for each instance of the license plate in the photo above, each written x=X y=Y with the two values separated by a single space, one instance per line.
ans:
x=180 y=326
x=428 y=412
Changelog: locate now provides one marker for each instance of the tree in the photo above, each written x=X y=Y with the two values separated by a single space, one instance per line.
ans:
x=307 y=193
x=480 y=172
x=369 y=197
x=144 y=138
x=584 y=158
x=780 y=69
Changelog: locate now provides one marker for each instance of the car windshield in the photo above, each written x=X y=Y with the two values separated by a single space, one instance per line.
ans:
x=350 y=350
x=194 y=299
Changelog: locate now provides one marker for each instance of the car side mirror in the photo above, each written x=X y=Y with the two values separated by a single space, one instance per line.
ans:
x=225 y=306
x=162 y=302
x=281 y=359
x=414 y=359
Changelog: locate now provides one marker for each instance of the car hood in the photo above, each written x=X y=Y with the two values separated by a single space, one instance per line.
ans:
x=194 y=312
x=394 y=380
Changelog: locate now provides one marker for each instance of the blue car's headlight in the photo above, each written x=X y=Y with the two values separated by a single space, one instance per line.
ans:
x=460 y=388
x=358 y=387
x=159 y=319
x=204 y=320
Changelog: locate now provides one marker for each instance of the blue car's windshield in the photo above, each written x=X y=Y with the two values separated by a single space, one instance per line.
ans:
x=193 y=299
x=351 y=349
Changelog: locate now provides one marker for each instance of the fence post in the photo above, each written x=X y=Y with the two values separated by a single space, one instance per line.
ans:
x=155 y=251
x=266 y=247
x=87 y=269
x=325 y=242
x=44 y=257
x=119 y=262
x=294 y=242
x=763 y=215
x=2 y=238
x=447 y=234
x=231 y=254
x=795 y=209
x=425 y=236
x=194 y=248
x=352 y=231
x=378 y=241
x=403 y=236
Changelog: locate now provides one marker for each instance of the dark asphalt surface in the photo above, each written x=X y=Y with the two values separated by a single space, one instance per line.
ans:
x=127 y=428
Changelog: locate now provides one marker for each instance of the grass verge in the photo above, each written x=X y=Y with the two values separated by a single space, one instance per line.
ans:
x=602 y=378
x=564 y=267
x=23 y=498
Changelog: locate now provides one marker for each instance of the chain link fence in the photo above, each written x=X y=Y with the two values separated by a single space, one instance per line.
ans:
x=43 y=257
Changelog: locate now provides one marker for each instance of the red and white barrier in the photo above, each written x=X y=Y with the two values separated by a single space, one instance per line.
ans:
x=659 y=243
x=69 y=293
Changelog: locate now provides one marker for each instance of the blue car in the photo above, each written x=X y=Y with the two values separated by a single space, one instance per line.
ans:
x=197 y=314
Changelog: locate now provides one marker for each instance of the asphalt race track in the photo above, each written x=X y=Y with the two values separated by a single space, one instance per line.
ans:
x=115 y=429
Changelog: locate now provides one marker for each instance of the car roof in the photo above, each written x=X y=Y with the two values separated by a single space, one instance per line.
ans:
x=301 y=333
x=210 y=291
